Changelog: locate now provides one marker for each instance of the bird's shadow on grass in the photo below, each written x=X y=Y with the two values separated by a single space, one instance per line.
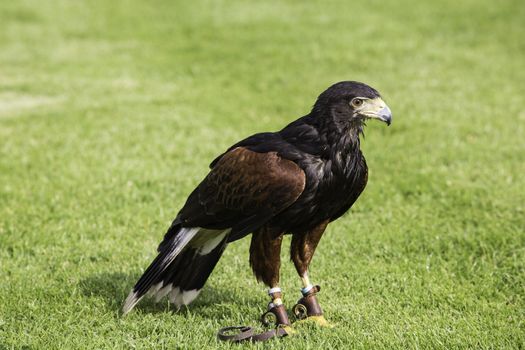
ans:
x=113 y=288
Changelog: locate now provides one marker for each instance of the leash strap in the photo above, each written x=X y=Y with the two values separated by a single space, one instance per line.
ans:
x=246 y=334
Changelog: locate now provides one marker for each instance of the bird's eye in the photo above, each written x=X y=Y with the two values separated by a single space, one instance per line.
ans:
x=357 y=102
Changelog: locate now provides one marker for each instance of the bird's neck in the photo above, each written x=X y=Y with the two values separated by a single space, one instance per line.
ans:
x=344 y=137
x=345 y=152
x=340 y=137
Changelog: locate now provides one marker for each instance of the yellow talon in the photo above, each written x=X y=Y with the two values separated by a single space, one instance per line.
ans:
x=318 y=320
x=289 y=330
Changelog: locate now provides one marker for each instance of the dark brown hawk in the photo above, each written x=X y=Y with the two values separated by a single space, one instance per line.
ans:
x=294 y=181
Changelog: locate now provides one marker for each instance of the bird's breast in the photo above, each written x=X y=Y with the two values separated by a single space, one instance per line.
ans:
x=330 y=190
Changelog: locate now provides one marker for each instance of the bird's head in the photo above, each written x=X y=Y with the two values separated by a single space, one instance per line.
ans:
x=351 y=102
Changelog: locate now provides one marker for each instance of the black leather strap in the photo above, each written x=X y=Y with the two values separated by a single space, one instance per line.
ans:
x=246 y=334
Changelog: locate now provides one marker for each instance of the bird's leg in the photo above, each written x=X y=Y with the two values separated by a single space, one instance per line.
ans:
x=302 y=250
x=308 y=308
x=306 y=283
x=276 y=295
x=265 y=250
x=276 y=313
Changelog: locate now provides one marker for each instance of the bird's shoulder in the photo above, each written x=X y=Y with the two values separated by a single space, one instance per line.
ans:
x=243 y=190
x=262 y=143
x=296 y=142
x=262 y=173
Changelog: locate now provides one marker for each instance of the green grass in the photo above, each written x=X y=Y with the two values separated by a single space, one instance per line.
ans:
x=110 y=112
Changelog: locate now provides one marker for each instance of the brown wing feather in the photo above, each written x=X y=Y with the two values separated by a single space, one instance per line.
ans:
x=244 y=190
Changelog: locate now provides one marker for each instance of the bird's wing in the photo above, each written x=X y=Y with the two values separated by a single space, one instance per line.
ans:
x=243 y=191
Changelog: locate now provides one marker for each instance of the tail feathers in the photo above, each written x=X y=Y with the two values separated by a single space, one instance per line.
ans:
x=166 y=256
x=180 y=275
x=174 y=229
x=183 y=283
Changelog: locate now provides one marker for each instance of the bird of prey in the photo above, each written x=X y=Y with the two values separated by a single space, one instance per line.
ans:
x=294 y=181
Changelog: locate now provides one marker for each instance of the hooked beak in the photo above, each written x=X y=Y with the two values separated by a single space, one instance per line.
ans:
x=385 y=115
x=376 y=109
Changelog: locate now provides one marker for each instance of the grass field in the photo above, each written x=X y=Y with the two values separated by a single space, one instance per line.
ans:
x=110 y=112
